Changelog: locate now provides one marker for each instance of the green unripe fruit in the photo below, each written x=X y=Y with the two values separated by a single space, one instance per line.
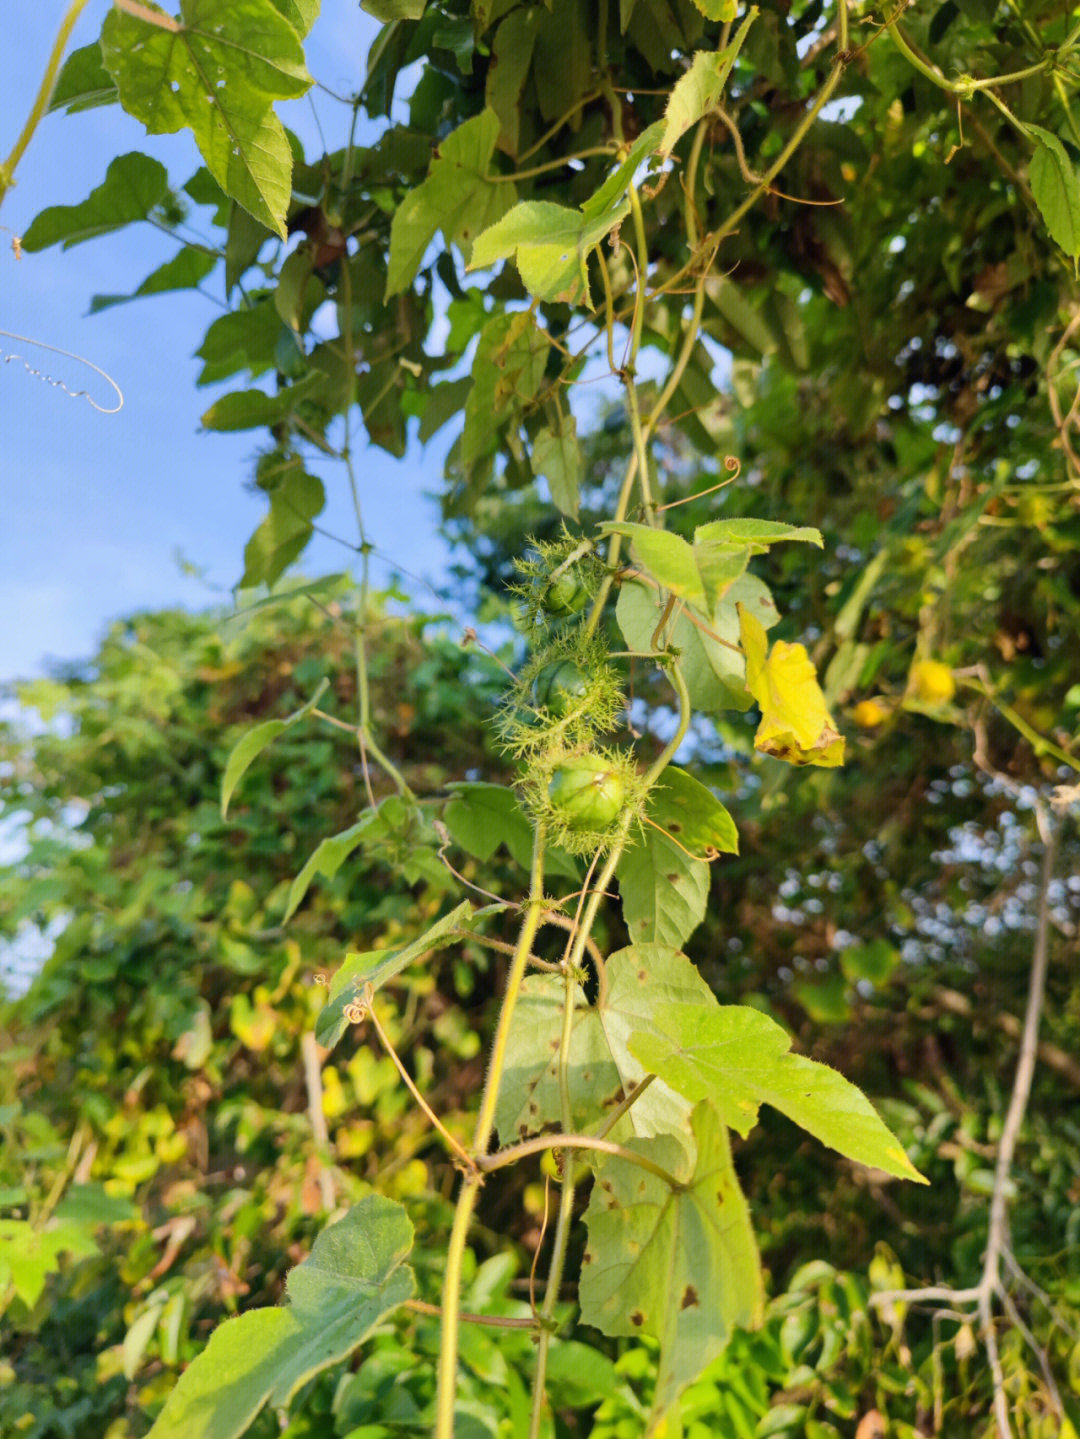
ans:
x=289 y=357
x=560 y=686
x=588 y=792
x=566 y=594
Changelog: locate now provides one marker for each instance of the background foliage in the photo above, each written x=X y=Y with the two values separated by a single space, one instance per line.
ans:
x=885 y=343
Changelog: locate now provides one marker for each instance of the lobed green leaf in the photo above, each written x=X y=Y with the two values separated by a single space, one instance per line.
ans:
x=740 y=1059
x=216 y=72
x=354 y=1277
x=134 y=185
x=680 y=1265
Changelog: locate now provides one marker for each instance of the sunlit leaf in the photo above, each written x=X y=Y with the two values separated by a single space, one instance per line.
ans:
x=795 y=724
x=354 y=1277
x=759 y=533
x=740 y=1059
x=722 y=10
x=601 y=1068
x=666 y=557
x=695 y=93
x=550 y=244
x=217 y=72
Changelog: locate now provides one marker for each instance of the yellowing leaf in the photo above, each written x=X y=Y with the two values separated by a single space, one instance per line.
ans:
x=696 y=92
x=795 y=724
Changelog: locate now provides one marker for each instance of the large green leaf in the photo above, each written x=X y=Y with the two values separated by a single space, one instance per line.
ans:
x=664 y=891
x=712 y=664
x=354 y=1277
x=679 y=1265
x=134 y=185
x=529 y=1094
x=692 y=814
x=1056 y=189
x=254 y=741
x=601 y=1068
x=378 y=966
x=457 y=198
x=740 y=1059
x=217 y=72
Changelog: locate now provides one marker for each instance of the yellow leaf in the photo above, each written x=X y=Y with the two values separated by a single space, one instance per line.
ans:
x=795 y=724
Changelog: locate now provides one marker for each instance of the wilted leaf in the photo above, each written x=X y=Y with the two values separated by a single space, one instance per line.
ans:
x=795 y=724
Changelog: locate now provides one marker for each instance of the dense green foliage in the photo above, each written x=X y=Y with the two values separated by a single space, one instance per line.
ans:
x=845 y=243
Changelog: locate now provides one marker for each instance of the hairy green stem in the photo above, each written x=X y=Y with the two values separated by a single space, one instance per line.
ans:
x=485 y=1123
x=44 y=95
x=573 y=962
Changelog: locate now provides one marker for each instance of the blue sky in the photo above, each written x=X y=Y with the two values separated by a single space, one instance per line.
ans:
x=95 y=507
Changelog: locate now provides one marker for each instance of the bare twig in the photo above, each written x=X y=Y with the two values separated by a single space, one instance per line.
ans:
x=990 y=1288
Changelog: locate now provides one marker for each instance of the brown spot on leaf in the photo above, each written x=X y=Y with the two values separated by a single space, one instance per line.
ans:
x=690 y=1298
x=642 y=976
x=637 y=1318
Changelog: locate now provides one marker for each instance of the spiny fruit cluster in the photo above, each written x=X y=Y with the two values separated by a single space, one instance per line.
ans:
x=565 y=698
